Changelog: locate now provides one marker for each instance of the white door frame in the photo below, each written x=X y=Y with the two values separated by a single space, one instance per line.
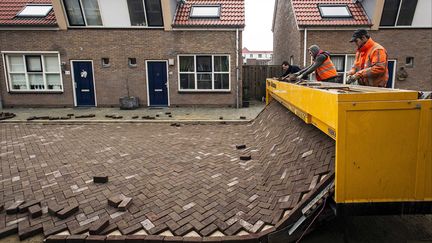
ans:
x=73 y=80
x=147 y=80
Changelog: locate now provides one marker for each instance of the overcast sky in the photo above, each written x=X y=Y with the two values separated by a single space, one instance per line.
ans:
x=257 y=35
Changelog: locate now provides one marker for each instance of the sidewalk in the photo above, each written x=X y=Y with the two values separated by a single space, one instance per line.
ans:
x=183 y=114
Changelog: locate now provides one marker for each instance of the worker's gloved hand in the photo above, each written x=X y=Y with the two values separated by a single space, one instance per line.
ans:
x=296 y=74
x=349 y=79
x=352 y=78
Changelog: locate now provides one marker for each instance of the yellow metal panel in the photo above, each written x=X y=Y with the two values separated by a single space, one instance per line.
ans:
x=382 y=152
x=378 y=167
x=424 y=162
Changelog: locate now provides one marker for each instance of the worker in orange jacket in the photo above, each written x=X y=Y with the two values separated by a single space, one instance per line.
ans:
x=323 y=66
x=370 y=65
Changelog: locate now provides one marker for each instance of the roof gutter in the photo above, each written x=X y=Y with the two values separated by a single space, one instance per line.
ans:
x=335 y=27
x=237 y=70
x=206 y=29
x=11 y=27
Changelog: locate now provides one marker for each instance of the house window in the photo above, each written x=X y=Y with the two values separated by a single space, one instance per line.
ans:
x=334 y=11
x=34 y=63
x=136 y=12
x=154 y=12
x=250 y=55
x=83 y=12
x=91 y=12
x=205 y=11
x=34 y=73
x=343 y=64
x=73 y=10
x=35 y=11
x=259 y=55
x=398 y=12
x=147 y=12
x=406 y=12
x=204 y=73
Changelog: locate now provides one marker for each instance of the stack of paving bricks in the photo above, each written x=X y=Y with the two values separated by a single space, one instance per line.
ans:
x=188 y=183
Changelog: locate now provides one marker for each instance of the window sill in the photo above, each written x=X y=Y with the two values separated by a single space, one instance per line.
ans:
x=113 y=27
x=36 y=92
x=204 y=91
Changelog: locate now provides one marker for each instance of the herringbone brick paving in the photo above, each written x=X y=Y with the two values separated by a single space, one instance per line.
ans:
x=181 y=179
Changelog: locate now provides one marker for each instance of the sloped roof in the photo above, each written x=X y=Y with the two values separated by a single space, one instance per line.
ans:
x=10 y=8
x=307 y=13
x=232 y=15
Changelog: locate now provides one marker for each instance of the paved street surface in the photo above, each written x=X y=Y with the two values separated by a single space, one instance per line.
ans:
x=184 y=180
x=177 y=113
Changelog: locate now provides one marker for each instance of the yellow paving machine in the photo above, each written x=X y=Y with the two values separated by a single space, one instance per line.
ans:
x=383 y=141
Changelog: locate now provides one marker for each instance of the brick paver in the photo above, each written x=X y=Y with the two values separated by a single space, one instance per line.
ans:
x=187 y=179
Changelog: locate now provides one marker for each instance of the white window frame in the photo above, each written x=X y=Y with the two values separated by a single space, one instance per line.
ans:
x=195 y=16
x=347 y=68
x=35 y=15
x=196 y=74
x=5 y=56
x=321 y=6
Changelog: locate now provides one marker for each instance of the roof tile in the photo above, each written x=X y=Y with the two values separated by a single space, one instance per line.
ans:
x=10 y=8
x=232 y=14
x=307 y=14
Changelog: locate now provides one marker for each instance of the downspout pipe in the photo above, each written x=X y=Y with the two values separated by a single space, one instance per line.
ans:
x=305 y=47
x=237 y=70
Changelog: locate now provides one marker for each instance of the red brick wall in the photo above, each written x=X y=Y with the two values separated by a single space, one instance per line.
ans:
x=286 y=37
x=119 y=45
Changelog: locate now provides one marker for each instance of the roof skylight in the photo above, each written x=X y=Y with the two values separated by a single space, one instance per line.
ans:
x=35 y=11
x=334 y=11
x=205 y=11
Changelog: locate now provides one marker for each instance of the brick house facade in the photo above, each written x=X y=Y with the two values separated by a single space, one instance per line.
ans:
x=404 y=44
x=112 y=80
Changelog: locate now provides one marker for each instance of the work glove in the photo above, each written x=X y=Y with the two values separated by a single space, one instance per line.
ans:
x=296 y=74
x=349 y=79
x=352 y=78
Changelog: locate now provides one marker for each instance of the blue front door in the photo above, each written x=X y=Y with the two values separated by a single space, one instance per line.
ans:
x=157 y=83
x=84 y=88
x=391 y=67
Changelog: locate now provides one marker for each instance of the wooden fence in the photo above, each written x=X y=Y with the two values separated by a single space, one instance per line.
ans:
x=254 y=78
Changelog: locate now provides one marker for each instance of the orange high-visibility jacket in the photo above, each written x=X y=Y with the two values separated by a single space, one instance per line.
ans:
x=326 y=70
x=371 y=64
